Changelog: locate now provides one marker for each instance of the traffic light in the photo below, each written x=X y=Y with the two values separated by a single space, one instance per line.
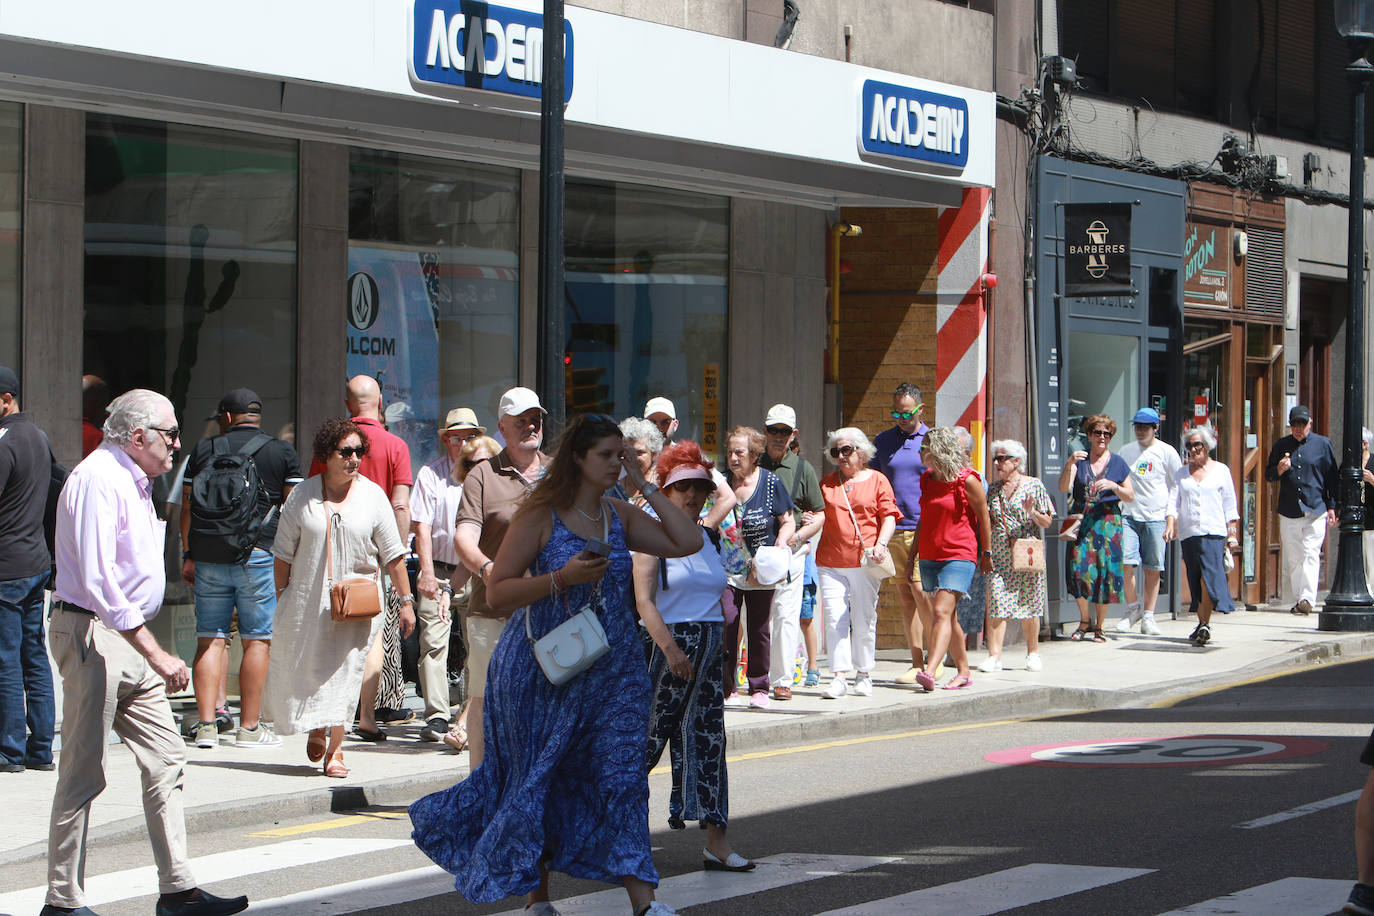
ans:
x=583 y=389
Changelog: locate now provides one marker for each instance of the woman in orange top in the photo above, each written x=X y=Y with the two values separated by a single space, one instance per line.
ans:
x=860 y=515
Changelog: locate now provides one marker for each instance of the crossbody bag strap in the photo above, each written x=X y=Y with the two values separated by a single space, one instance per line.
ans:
x=853 y=519
x=328 y=539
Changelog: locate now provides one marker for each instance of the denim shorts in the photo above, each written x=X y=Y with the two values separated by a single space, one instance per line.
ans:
x=951 y=575
x=1142 y=543
x=222 y=587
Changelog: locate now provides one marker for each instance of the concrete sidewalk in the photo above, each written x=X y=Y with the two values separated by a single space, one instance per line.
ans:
x=227 y=786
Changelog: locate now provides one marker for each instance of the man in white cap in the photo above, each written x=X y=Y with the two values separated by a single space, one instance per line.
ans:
x=1154 y=467
x=799 y=477
x=491 y=494
x=661 y=412
x=433 y=515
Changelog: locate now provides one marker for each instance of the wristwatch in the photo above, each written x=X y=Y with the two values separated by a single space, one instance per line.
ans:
x=650 y=489
x=407 y=599
x=987 y=553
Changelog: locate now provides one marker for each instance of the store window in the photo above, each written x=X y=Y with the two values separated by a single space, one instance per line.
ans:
x=434 y=292
x=190 y=267
x=1104 y=377
x=11 y=206
x=646 y=303
x=1206 y=362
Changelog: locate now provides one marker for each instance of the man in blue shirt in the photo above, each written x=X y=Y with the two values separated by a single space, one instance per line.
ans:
x=899 y=458
x=1304 y=464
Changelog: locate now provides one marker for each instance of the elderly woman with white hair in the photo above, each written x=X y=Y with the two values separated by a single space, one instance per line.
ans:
x=645 y=440
x=1203 y=516
x=1019 y=506
x=860 y=515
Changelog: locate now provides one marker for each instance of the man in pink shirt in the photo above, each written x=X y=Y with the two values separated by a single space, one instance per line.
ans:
x=110 y=583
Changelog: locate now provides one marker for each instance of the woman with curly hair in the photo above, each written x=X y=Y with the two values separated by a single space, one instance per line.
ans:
x=562 y=785
x=679 y=603
x=318 y=689
x=1100 y=482
x=955 y=540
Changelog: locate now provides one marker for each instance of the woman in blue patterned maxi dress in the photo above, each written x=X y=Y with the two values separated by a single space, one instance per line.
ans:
x=562 y=786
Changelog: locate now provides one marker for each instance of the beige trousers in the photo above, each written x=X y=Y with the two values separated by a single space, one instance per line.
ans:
x=107 y=684
x=434 y=636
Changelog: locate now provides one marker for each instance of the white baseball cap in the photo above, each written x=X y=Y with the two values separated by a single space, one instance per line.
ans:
x=660 y=405
x=517 y=401
x=781 y=415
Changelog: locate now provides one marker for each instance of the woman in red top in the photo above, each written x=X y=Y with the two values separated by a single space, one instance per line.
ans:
x=955 y=535
x=860 y=515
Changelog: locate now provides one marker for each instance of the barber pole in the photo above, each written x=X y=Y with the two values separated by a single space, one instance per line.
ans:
x=961 y=361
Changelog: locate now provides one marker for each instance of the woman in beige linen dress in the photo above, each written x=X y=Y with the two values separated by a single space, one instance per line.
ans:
x=314 y=684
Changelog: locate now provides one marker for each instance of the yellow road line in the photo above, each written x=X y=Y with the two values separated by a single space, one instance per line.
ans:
x=335 y=824
x=1258 y=679
x=805 y=748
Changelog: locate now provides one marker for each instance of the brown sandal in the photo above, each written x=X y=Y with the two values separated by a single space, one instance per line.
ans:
x=1078 y=634
x=314 y=745
x=335 y=767
x=457 y=738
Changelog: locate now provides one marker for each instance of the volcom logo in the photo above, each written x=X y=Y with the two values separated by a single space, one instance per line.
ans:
x=363 y=304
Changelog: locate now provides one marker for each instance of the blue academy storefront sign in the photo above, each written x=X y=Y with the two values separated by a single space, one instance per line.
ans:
x=912 y=124
x=467 y=44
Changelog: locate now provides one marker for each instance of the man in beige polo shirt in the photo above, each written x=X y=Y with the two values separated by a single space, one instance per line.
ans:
x=491 y=494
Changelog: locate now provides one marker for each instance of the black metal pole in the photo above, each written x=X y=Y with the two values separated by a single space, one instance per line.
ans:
x=1349 y=606
x=549 y=377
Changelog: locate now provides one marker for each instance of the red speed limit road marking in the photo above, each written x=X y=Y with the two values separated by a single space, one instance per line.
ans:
x=1186 y=751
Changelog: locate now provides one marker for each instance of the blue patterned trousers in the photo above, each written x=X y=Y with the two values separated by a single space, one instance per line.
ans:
x=689 y=719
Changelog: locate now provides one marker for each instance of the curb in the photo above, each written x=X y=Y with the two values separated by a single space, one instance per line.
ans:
x=1015 y=703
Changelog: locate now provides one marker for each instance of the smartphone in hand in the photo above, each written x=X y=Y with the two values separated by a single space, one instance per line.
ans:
x=597 y=547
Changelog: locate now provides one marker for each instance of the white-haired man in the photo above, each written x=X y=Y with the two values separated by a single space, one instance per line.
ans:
x=115 y=676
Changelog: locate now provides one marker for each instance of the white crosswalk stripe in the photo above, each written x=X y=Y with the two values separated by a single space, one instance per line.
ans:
x=220 y=866
x=1289 y=897
x=998 y=892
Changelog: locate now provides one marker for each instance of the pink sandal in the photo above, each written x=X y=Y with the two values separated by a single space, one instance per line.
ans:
x=958 y=682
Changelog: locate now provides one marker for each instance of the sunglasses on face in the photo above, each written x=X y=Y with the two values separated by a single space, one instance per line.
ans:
x=1101 y=432
x=173 y=433
x=1194 y=446
x=664 y=423
x=998 y=459
x=779 y=430
x=906 y=414
x=470 y=463
x=842 y=451
x=686 y=486
x=351 y=451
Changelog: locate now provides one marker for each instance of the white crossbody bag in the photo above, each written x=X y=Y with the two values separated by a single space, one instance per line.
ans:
x=578 y=642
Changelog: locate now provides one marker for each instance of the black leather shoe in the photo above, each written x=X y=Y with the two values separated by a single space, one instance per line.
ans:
x=203 y=904
x=11 y=768
x=44 y=767
x=50 y=910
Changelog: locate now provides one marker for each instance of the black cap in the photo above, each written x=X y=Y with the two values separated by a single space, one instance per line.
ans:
x=1299 y=414
x=9 y=382
x=240 y=400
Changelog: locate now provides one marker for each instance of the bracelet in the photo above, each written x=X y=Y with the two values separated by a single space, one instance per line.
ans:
x=407 y=599
x=446 y=589
x=557 y=581
x=482 y=570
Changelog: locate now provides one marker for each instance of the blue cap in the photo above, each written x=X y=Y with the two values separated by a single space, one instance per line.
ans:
x=1146 y=415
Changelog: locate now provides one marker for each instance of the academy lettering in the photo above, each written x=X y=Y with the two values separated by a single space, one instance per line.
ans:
x=914 y=124
x=467 y=45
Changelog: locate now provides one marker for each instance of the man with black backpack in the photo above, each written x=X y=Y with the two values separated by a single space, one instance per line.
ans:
x=235 y=485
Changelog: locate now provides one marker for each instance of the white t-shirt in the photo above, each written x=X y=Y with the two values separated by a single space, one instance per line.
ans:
x=434 y=502
x=1152 y=477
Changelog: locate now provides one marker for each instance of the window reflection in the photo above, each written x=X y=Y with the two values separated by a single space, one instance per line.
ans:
x=433 y=308
x=11 y=202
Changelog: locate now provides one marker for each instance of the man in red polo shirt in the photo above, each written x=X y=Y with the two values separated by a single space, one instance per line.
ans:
x=387 y=464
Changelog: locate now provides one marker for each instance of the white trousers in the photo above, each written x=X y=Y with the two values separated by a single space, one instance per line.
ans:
x=1368 y=538
x=851 y=618
x=786 y=623
x=1301 y=541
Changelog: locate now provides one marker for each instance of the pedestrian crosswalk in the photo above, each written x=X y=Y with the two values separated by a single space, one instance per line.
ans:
x=801 y=876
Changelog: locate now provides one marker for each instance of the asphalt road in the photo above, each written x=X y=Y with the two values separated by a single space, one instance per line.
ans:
x=857 y=823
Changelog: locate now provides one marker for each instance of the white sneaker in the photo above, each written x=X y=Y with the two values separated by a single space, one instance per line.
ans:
x=1132 y=615
x=543 y=908
x=863 y=685
x=1033 y=661
x=837 y=688
x=659 y=909
x=993 y=663
x=1148 y=625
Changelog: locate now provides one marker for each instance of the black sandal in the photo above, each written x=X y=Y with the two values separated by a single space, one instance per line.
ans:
x=1098 y=635
x=1078 y=634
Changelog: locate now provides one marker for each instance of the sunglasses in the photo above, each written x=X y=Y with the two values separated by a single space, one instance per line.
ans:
x=778 y=430
x=1101 y=432
x=684 y=486
x=664 y=423
x=470 y=463
x=351 y=451
x=173 y=433
x=843 y=451
x=1193 y=446
x=998 y=459
x=906 y=414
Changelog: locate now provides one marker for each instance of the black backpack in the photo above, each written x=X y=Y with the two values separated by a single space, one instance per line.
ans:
x=225 y=498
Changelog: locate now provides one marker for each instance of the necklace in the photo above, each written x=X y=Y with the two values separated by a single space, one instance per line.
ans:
x=590 y=518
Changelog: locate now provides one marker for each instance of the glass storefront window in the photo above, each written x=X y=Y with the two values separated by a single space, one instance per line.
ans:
x=646 y=303
x=1104 y=377
x=1206 y=358
x=434 y=291
x=190 y=267
x=11 y=207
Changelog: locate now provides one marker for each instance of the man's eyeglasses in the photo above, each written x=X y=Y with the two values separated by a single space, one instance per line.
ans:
x=778 y=430
x=841 y=451
x=351 y=451
x=1101 y=432
x=906 y=414
x=470 y=463
x=173 y=433
x=684 y=486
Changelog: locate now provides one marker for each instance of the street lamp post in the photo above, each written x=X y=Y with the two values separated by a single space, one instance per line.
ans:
x=1349 y=606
